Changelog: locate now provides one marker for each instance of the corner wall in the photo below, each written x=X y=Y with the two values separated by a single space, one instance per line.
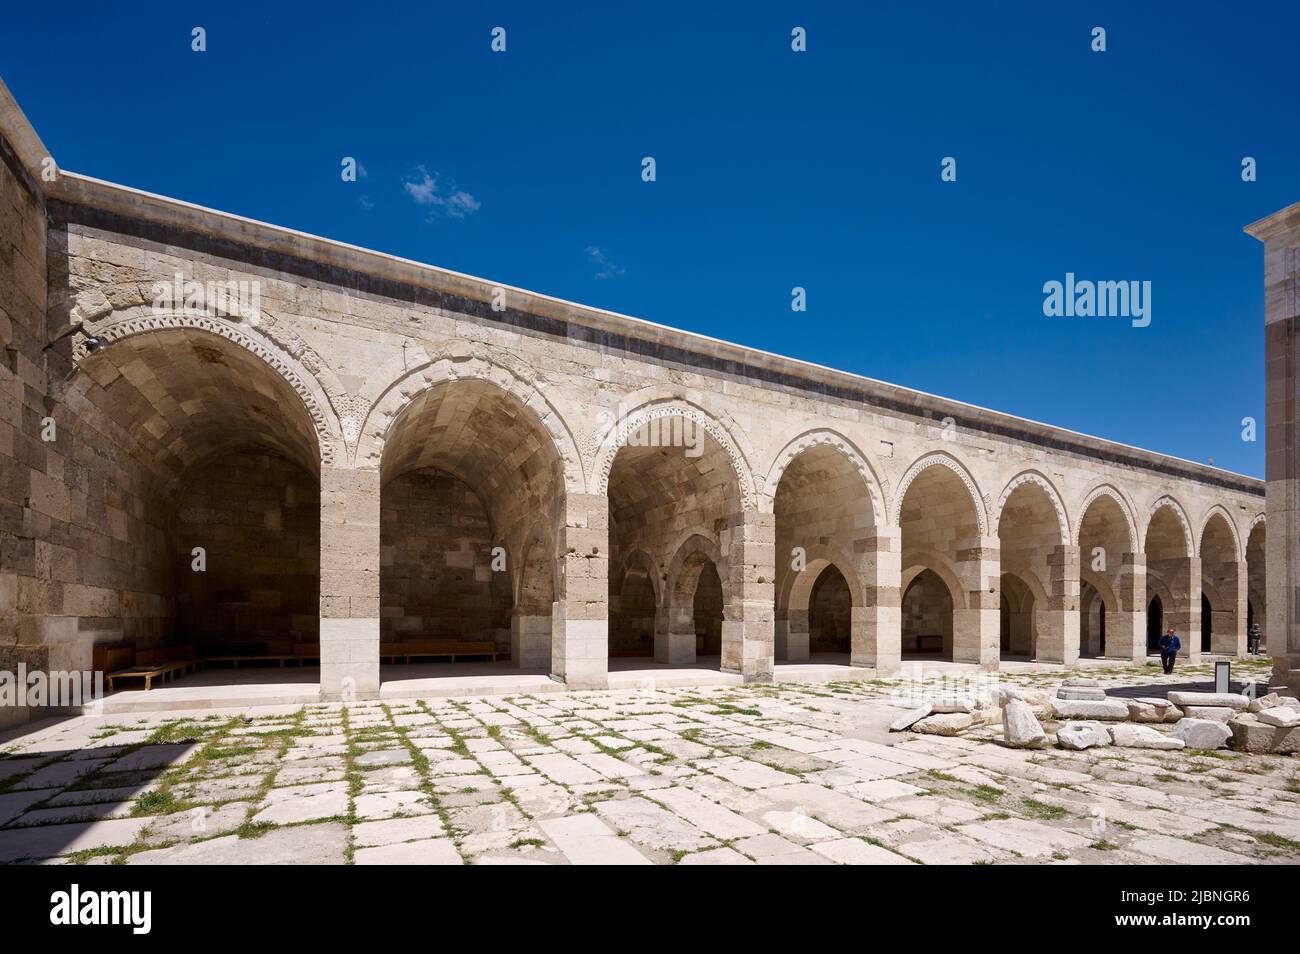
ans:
x=30 y=481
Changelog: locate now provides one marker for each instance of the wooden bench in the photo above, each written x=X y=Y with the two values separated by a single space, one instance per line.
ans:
x=162 y=664
x=407 y=650
x=278 y=652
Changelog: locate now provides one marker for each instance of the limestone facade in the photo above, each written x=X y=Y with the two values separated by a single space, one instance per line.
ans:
x=1280 y=234
x=486 y=462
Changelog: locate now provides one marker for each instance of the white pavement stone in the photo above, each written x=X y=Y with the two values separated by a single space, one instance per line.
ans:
x=1184 y=852
x=49 y=841
x=708 y=816
x=586 y=840
x=1026 y=838
x=431 y=851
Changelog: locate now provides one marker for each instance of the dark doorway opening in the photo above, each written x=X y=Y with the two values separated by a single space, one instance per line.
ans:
x=1207 y=623
x=1155 y=624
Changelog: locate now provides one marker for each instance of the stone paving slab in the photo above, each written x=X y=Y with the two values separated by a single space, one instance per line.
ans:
x=781 y=774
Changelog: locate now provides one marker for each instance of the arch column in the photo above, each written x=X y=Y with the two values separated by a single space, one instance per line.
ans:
x=877 y=627
x=580 y=619
x=349 y=583
x=530 y=638
x=1058 y=631
x=1228 y=629
x=748 y=644
x=977 y=628
x=792 y=639
x=1126 y=625
x=1183 y=577
x=675 y=635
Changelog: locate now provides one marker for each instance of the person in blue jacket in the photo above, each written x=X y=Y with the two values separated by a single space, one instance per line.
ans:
x=1169 y=646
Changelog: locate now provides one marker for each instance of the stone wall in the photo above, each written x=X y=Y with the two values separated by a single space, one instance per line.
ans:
x=257 y=517
x=30 y=484
x=436 y=577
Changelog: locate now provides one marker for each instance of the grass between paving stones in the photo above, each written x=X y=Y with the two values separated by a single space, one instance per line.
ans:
x=1036 y=809
x=208 y=764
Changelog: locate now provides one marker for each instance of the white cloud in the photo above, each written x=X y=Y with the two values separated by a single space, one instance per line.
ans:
x=426 y=189
x=604 y=267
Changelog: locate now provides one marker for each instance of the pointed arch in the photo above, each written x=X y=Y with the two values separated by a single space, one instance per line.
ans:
x=798 y=586
x=1053 y=496
x=459 y=362
x=942 y=459
x=143 y=319
x=618 y=434
x=696 y=545
x=824 y=436
x=1220 y=511
x=639 y=559
x=1125 y=507
x=1167 y=501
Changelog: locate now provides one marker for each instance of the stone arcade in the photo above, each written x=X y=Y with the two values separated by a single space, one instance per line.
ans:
x=351 y=456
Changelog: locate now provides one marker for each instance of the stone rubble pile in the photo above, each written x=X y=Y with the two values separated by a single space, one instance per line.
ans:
x=1088 y=718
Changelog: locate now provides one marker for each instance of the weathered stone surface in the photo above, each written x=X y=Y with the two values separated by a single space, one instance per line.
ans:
x=299 y=845
x=1251 y=735
x=1268 y=701
x=1229 y=699
x=1282 y=716
x=1019 y=727
x=1036 y=698
x=1080 y=694
x=1082 y=735
x=1081 y=681
x=910 y=718
x=1140 y=711
x=951 y=723
x=949 y=704
x=1143 y=737
x=1201 y=733
x=1211 y=713
x=1155 y=701
x=1109 y=710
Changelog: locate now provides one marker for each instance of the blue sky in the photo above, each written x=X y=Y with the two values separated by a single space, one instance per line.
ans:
x=774 y=170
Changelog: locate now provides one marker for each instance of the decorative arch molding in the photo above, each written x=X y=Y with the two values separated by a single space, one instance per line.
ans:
x=1166 y=500
x=1238 y=548
x=142 y=319
x=941 y=459
x=605 y=418
x=469 y=362
x=1254 y=522
x=1053 y=495
x=824 y=436
x=1125 y=506
x=638 y=418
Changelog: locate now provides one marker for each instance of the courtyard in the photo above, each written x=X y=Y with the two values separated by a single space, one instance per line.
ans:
x=786 y=773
